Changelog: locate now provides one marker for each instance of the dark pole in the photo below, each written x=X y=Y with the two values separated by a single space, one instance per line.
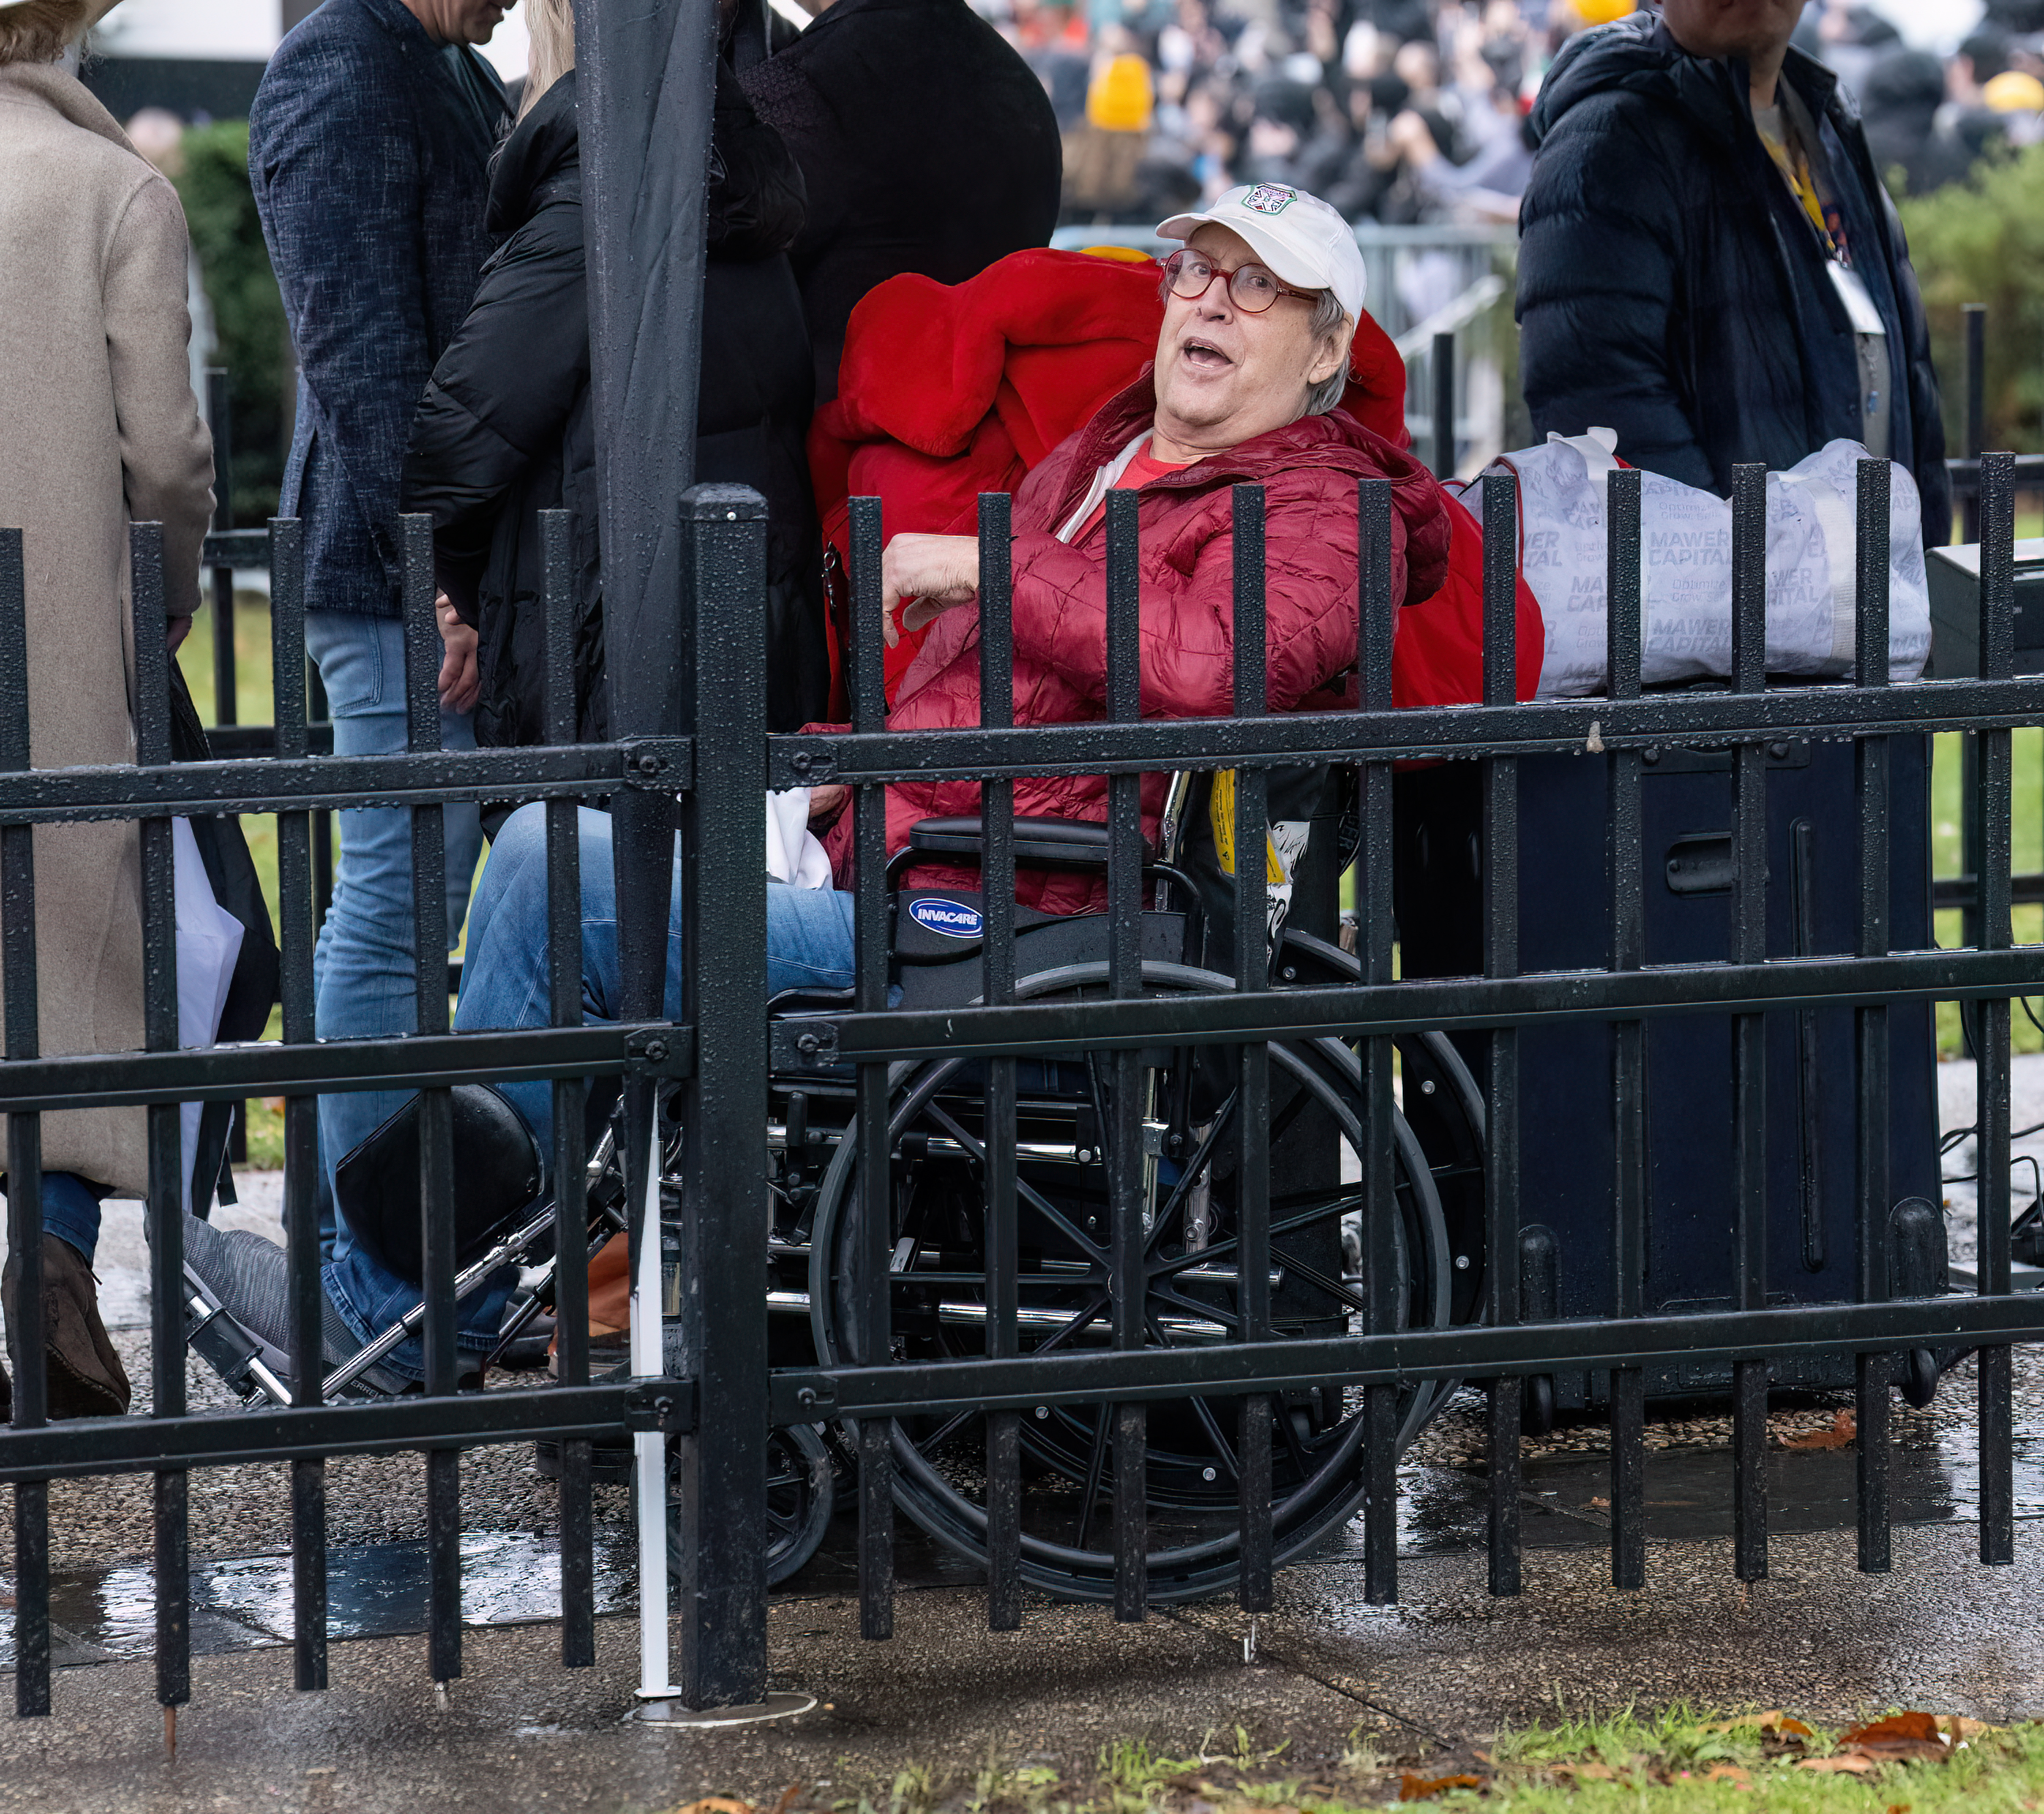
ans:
x=648 y=76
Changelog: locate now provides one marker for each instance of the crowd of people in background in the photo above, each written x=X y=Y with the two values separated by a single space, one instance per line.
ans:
x=1405 y=111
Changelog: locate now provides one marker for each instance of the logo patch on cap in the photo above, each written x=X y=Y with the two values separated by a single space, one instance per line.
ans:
x=1271 y=198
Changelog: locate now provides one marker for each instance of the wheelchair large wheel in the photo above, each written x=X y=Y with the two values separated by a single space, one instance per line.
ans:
x=938 y=1308
x=800 y=1489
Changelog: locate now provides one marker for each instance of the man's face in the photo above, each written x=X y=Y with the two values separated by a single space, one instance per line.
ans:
x=459 y=21
x=1732 y=28
x=1226 y=375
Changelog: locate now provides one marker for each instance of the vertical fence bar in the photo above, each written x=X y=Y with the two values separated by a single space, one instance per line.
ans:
x=24 y=1152
x=1441 y=367
x=318 y=711
x=1997 y=646
x=1252 y=972
x=1500 y=958
x=436 y=1105
x=219 y=397
x=1871 y=1131
x=1627 y=856
x=1374 y=933
x=301 y=1234
x=997 y=878
x=1973 y=317
x=874 y=1164
x=721 y=1105
x=165 y=1207
x=1748 y=1032
x=569 y=1178
x=1127 y=1206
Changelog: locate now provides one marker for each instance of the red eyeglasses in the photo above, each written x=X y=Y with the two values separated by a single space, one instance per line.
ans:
x=1252 y=288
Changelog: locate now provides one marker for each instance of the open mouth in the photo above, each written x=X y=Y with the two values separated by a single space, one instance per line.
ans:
x=1204 y=355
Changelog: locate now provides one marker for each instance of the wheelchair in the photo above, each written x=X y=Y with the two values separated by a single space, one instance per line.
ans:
x=1190 y=1157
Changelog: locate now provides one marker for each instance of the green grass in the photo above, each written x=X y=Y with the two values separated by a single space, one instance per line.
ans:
x=1680 y=1761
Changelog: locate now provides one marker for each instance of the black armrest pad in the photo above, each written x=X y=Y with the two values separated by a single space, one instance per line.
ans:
x=1046 y=843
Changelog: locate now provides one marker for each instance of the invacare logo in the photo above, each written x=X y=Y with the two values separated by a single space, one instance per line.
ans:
x=953 y=919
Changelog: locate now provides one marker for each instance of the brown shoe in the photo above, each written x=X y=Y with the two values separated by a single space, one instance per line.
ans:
x=85 y=1377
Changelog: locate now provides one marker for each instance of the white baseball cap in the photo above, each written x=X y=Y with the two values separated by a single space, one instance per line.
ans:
x=1303 y=240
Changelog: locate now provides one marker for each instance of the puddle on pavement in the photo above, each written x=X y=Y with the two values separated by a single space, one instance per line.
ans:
x=373 y=1591
x=1688 y=1496
x=380 y=1590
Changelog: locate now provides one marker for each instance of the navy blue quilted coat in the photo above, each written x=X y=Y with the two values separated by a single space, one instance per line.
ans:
x=370 y=164
x=1670 y=288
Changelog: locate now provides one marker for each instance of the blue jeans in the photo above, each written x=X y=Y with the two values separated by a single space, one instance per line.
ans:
x=362 y=968
x=503 y=985
x=71 y=1212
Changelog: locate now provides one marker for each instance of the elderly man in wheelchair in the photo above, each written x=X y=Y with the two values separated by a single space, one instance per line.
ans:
x=1260 y=309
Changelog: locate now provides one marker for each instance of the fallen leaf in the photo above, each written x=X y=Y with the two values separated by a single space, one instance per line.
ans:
x=1898 y=1808
x=1850 y=1761
x=1725 y=1772
x=1919 y=1727
x=1587 y=1772
x=1900 y=1735
x=1958 y=1727
x=1842 y=1434
x=1600 y=1504
x=1425 y=1787
x=1773 y=1720
x=716 y=1804
x=788 y=1796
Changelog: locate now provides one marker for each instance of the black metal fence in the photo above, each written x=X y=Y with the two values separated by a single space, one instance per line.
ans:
x=296 y=785
x=1025 y=1155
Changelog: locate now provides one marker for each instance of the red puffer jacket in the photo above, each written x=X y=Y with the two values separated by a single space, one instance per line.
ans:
x=1309 y=471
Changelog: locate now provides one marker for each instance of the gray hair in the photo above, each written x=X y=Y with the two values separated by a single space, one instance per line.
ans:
x=1328 y=315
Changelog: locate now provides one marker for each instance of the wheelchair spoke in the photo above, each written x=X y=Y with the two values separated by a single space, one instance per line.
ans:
x=1205 y=1312
x=1223 y=1450
x=929 y=1445
x=1217 y=1131
x=976 y=1149
x=1340 y=1293
x=1096 y=1465
x=1284 y=1226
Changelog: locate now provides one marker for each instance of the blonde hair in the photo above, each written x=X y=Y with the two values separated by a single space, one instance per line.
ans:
x=39 y=31
x=550 y=26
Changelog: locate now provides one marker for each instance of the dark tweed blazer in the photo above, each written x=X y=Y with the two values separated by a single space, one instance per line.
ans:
x=370 y=164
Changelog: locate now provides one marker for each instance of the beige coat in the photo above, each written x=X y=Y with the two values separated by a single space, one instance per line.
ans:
x=98 y=427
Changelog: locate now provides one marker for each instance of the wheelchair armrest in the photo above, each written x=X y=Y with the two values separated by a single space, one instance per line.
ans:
x=1040 y=843
x=797 y=1002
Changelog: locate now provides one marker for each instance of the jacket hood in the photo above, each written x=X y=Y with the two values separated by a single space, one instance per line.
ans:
x=1638 y=55
x=544 y=145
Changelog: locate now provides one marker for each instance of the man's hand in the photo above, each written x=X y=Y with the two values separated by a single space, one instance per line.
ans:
x=933 y=573
x=826 y=803
x=459 y=680
x=176 y=631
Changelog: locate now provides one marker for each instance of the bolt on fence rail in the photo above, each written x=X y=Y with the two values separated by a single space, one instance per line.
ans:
x=1073 y=1196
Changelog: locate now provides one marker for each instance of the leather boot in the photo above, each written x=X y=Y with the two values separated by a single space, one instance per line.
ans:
x=85 y=1374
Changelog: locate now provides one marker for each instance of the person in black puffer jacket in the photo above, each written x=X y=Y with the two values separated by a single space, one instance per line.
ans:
x=1671 y=286
x=506 y=429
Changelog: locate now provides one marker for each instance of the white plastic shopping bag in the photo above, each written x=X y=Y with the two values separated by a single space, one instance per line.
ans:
x=1685 y=567
x=793 y=855
x=209 y=943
